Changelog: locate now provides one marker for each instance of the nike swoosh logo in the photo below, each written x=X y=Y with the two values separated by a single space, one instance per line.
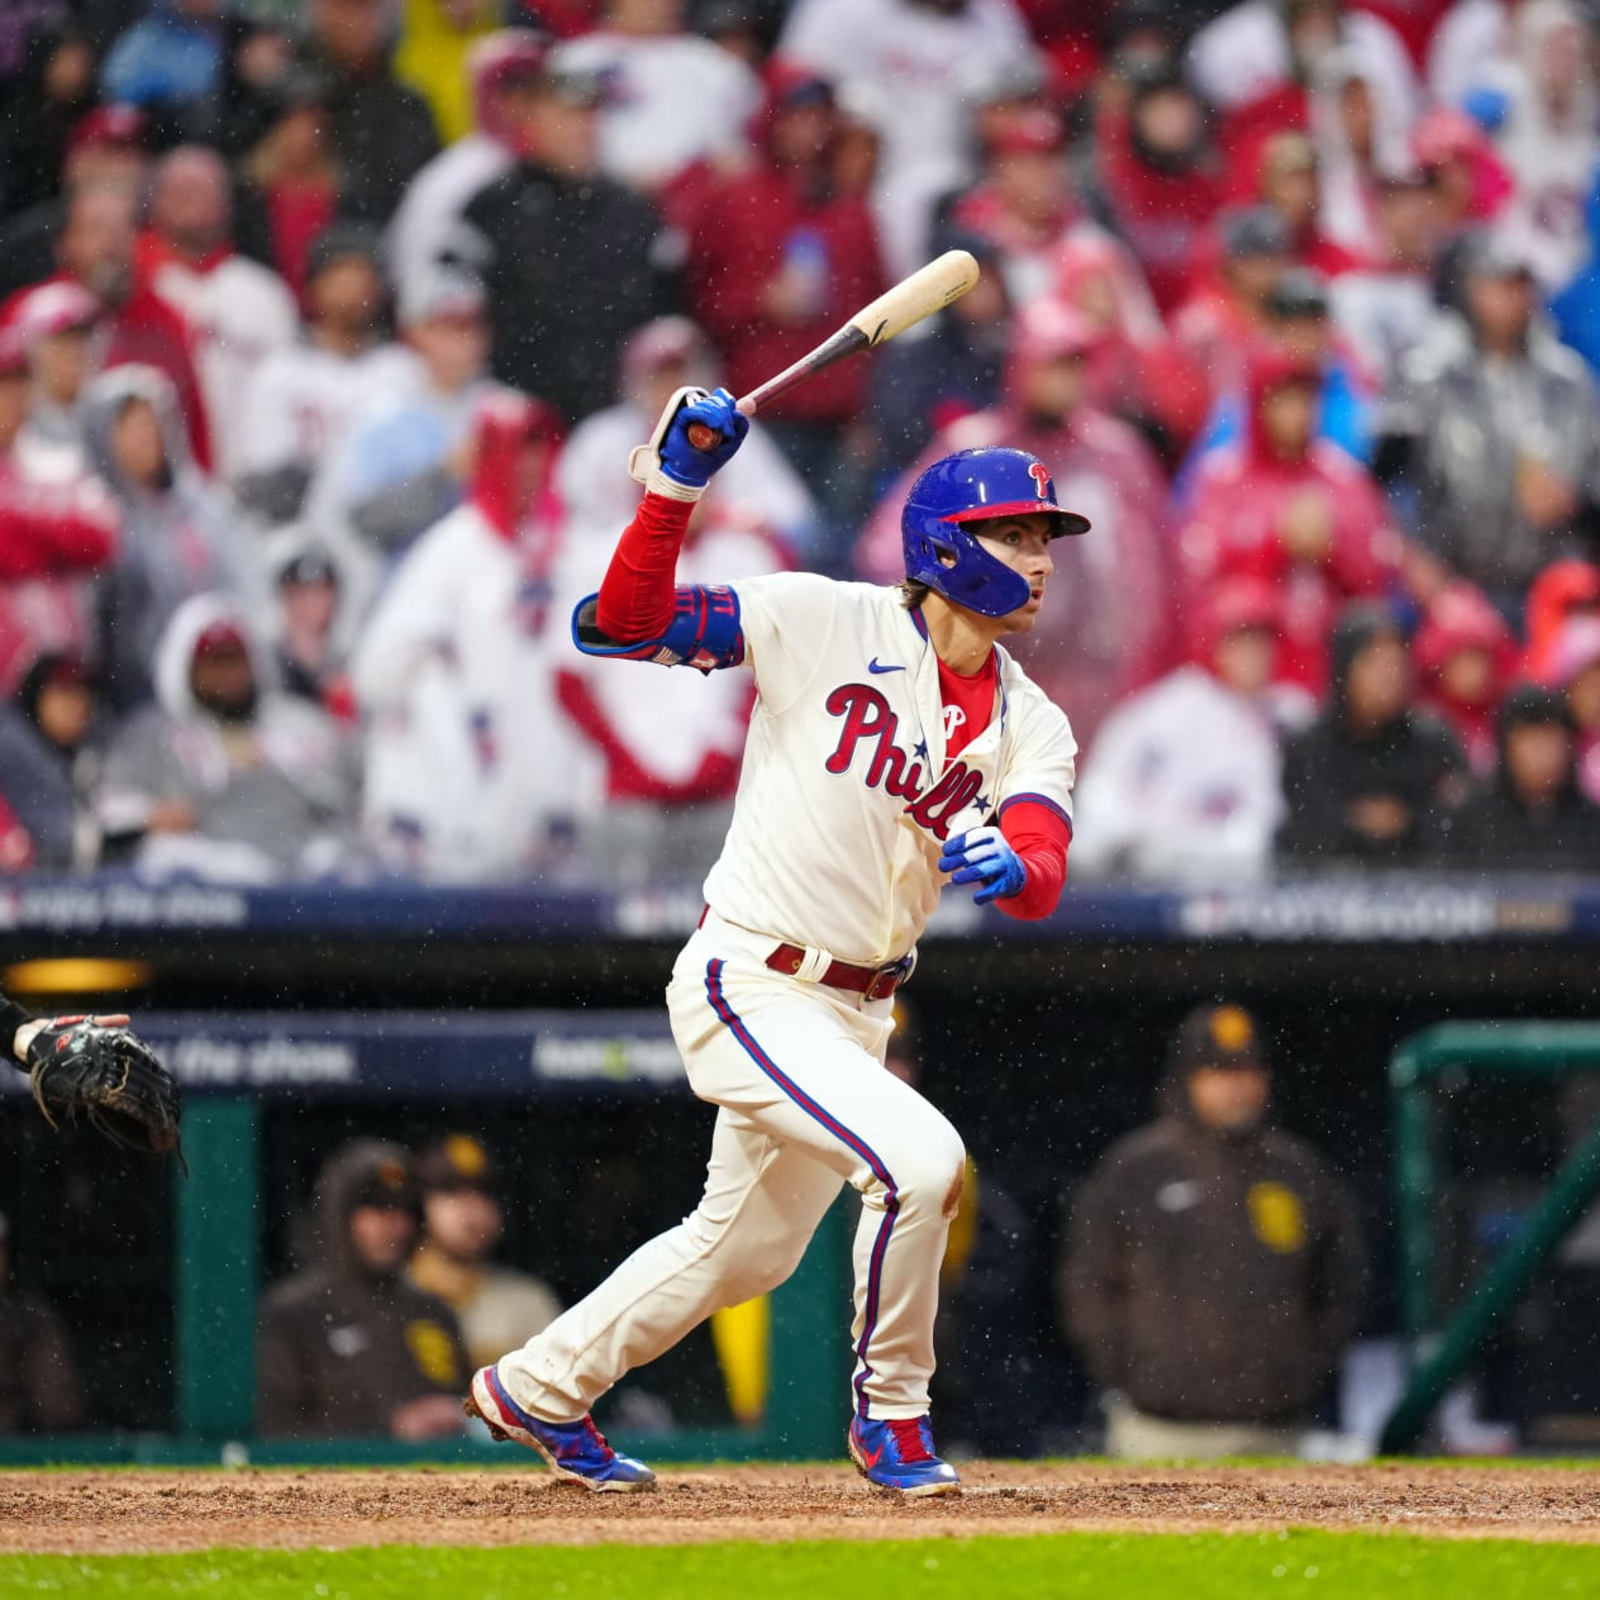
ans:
x=872 y=1458
x=875 y=665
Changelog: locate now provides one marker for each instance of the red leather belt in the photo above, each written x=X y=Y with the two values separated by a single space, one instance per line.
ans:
x=876 y=983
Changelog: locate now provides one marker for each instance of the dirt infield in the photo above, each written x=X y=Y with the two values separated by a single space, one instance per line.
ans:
x=152 y=1511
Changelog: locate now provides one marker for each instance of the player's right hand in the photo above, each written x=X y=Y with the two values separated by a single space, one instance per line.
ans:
x=682 y=460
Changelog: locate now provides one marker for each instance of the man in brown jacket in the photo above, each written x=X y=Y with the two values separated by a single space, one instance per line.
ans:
x=348 y=1346
x=1215 y=1265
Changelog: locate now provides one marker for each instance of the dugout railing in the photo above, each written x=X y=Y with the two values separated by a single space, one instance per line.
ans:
x=1423 y=1072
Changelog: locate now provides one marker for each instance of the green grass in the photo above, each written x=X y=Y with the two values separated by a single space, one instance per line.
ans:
x=1292 y=1566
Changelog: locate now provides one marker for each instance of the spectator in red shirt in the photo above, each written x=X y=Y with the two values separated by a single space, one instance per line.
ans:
x=292 y=183
x=1465 y=657
x=1155 y=179
x=1229 y=314
x=1283 y=506
x=96 y=250
x=778 y=259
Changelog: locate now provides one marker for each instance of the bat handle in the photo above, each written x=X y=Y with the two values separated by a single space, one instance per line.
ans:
x=704 y=437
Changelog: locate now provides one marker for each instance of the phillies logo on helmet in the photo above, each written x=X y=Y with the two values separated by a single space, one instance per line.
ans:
x=976 y=486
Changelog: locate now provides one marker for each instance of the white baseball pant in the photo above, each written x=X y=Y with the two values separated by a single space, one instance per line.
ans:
x=806 y=1106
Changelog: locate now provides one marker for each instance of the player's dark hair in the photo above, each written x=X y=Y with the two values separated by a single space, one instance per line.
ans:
x=912 y=593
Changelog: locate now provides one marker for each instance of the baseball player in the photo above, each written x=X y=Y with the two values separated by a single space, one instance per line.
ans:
x=894 y=747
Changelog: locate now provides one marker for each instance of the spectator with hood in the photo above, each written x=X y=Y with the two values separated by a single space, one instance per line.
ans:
x=1531 y=814
x=1361 y=139
x=473 y=772
x=778 y=259
x=1154 y=178
x=347 y=1345
x=1372 y=781
x=1500 y=431
x=1185 y=779
x=238 y=310
x=1215 y=1267
x=425 y=229
x=1465 y=655
x=1562 y=593
x=1284 y=507
x=48 y=755
x=1550 y=138
x=180 y=538
x=1114 y=632
x=591 y=475
x=604 y=263
x=1137 y=371
x=1254 y=61
x=225 y=776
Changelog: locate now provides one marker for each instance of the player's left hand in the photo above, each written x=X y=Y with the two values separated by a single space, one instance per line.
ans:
x=716 y=421
x=984 y=857
x=95 y=1068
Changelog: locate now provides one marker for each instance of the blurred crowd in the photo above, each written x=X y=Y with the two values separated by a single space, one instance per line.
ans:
x=326 y=331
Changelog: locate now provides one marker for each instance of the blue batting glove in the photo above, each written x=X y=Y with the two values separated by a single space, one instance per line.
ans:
x=685 y=462
x=983 y=856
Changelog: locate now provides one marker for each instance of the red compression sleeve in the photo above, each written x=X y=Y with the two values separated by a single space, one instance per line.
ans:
x=1040 y=835
x=636 y=594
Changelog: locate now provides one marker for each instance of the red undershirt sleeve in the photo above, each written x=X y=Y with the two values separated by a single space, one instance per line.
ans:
x=1040 y=835
x=637 y=593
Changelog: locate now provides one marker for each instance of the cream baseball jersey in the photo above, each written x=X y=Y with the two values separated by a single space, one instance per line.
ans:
x=845 y=795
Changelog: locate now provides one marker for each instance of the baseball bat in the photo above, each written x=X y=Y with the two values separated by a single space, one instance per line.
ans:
x=928 y=289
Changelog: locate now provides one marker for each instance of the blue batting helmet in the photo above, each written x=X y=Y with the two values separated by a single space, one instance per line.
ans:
x=973 y=486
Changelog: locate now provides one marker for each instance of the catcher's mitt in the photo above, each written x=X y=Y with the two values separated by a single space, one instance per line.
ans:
x=94 y=1068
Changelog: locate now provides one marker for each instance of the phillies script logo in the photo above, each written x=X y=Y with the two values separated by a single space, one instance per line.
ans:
x=869 y=722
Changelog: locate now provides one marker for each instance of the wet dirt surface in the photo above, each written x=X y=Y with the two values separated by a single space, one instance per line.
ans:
x=155 y=1511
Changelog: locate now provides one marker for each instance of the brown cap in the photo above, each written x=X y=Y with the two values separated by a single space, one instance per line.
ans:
x=1217 y=1036
x=457 y=1162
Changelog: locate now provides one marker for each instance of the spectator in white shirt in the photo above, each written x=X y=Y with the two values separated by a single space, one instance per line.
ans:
x=1183 y=779
x=238 y=310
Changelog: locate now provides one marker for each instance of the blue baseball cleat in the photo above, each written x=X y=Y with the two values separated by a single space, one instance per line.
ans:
x=576 y=1451
x=899 y=1455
